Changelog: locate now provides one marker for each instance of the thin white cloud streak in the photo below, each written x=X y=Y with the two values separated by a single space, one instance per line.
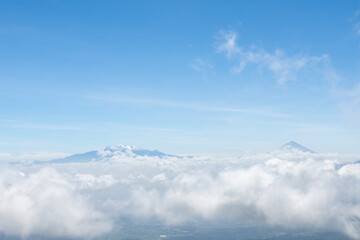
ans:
x=45 y=203
x=40 y=126
x=109 y=126
x=309 y=127
x=86 y=127
x=40 y=156
x=255 y=112
x=197 y=107
x=283 y=67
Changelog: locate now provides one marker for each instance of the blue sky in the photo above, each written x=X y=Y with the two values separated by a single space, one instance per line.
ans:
x=222 y=77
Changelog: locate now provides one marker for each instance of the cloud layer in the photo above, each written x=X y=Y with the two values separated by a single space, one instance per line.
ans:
x=292 y=189
x=311 y=194
x=45 y=203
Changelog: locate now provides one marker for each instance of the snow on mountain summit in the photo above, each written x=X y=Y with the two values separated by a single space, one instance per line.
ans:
x=132 y=151
x=122 y=148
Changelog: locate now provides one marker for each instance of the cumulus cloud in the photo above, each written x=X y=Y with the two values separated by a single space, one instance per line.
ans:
x=45 y=203
x=282 y=66
x=159 y=178
x=287 y=188
x=87 y=181
x=228 y=44
x=294 y=194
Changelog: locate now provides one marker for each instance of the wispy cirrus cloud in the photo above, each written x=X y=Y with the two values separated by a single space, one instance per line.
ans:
x=349 y=102
x=202 y=66
x=356 y=22
x=40 y=126
x=283 y=67
x=40 y=156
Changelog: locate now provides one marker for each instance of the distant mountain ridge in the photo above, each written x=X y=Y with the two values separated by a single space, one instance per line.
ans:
x=294 y=146
x=79 y=158
x=122 y=151
x=136 y=151
x=108 y=152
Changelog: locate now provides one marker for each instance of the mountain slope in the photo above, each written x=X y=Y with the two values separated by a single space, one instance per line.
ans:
x=294 y=146
x=83 y=157
x=118 y=151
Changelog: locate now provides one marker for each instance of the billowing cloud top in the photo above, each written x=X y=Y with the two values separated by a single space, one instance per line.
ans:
x=46 y=203
x=288 y=187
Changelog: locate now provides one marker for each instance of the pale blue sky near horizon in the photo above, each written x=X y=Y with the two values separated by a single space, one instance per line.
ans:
x=223 y=77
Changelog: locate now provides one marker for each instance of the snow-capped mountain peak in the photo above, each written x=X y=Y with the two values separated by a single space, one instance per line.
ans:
x=132 y=150
x=294 y=146
x=117 y=152
x=121 y=148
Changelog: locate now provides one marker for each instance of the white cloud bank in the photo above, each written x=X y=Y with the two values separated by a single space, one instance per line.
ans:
x=306 y=194
x=45 y=203
x=292 y=189
x=88 y=181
